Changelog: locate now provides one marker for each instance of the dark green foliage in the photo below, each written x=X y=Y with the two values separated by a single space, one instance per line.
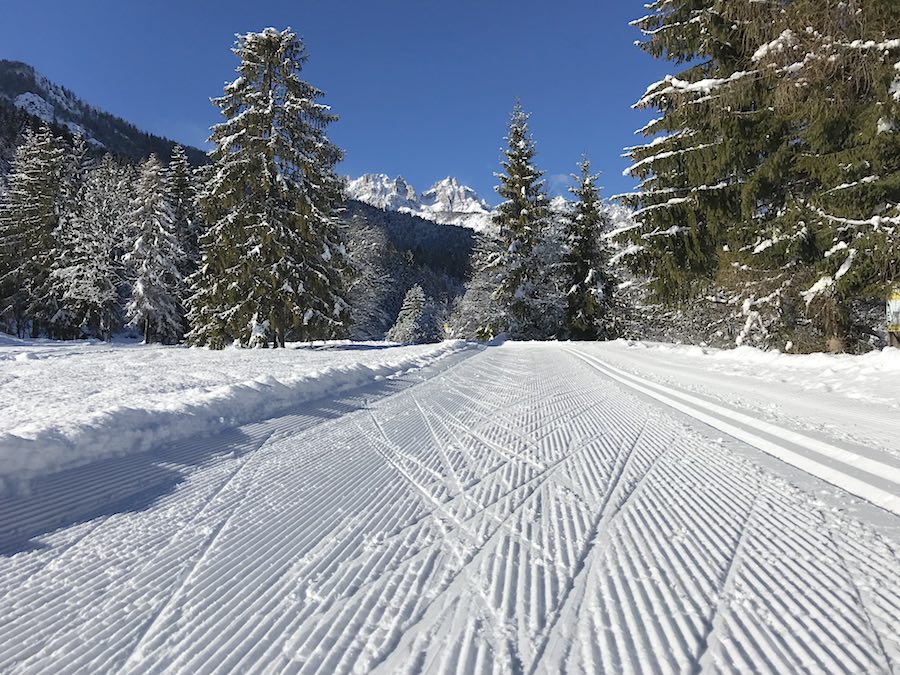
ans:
x=520 y=220
x=779 y=153
x=29 y=216
x=591 y=286
x=272 y=263
x=181 y=192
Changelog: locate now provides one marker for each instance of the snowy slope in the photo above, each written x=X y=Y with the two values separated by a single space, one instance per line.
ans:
x=447 y=201
x=65 y=404
x=520 y=508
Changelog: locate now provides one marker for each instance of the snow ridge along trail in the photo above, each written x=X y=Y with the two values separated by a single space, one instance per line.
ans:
x=515 y=512
x=880 y=481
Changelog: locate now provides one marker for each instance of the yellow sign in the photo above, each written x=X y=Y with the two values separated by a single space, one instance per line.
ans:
x=893 y=312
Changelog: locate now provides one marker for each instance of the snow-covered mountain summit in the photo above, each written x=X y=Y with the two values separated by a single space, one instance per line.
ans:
x=447 y=201
x=383 y=192
x=448 y=196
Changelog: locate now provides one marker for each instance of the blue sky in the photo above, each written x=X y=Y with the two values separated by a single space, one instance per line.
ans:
x=423 y=88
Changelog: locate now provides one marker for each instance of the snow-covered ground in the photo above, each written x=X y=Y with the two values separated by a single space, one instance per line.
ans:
x=523 y=508
x=62 y=404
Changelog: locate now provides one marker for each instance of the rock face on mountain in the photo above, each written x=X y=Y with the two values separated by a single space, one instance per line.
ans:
x=383 y=192
x=447 y=201
x=27 y=97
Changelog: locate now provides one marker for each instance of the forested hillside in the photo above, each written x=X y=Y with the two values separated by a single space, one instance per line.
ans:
x=27 y=98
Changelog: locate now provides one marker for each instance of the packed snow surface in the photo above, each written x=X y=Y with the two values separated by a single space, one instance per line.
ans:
x=63 y=404
x=523 y=508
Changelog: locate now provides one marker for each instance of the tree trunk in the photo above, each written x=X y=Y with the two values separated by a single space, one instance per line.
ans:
x=147 y=331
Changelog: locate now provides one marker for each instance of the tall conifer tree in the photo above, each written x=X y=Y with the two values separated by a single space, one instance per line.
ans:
x=182 y=195
x=520 y=219
x=28 y=223
x=91 y=274
x=591 y=285
x=272 y=260
x=774 y=170
x=155 y=305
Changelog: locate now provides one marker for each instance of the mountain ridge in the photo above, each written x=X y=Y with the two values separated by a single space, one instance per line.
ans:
x=27 y=96
x=447 y=202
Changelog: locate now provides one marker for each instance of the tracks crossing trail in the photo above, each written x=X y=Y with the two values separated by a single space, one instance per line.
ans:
x=520 y=511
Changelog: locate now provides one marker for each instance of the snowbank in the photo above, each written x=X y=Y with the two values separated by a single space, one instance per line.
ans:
x=869 y=377
x=66 y=405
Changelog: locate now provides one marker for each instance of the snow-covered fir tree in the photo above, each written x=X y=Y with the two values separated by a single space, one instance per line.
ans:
x=520 y=220
x=182 y=195
x=591 y=284
x=63 y=324
x=772 y=183
x=91 y=277
x=416 y=322
x=477 y=314
x=155 y=305
x=28 y=222
x=272 y=262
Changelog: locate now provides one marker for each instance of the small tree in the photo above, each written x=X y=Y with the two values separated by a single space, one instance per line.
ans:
x=591 y=284
x=154 y=259
x=416 y=322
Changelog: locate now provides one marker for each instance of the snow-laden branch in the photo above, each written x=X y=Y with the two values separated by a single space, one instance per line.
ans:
x=659 y=141
x=664 y=155
x=828 y=282
x=629 y=250
x=861 y=181
x=668 y=191
x=663 y=205
x=677 y=86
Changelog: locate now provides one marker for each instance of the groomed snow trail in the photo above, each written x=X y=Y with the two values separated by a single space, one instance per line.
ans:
x=517 y=511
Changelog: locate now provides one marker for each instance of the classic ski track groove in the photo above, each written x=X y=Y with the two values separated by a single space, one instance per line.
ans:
x=514 y=512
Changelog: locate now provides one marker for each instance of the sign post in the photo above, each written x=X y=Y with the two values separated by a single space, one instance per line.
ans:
x=893 y=318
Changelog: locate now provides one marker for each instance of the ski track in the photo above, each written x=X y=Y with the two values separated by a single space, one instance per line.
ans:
x=516 y=512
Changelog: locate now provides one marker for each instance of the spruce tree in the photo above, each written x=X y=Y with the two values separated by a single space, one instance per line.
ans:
x=410 y=325
x=272 y=262
x=63 y=324
x=155 y=304
x=520 y=220
x=591 y=284
x=28 y=223
x=90 y=275
x=182 y=195
x=774 y=168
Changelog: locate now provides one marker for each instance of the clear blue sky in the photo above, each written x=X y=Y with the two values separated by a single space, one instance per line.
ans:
x=424 y=88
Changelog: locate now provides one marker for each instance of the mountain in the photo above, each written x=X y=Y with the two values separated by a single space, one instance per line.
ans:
x=446 y=202
x=383 y=192
x=395 y=250
x=27 y=97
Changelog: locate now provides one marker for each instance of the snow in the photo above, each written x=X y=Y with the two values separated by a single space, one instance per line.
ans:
x=783 y=42
x=663 y=155
x=35 y=105
x=573 y=507
x=673 y=85
x=64 y=404
x=447 y=201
